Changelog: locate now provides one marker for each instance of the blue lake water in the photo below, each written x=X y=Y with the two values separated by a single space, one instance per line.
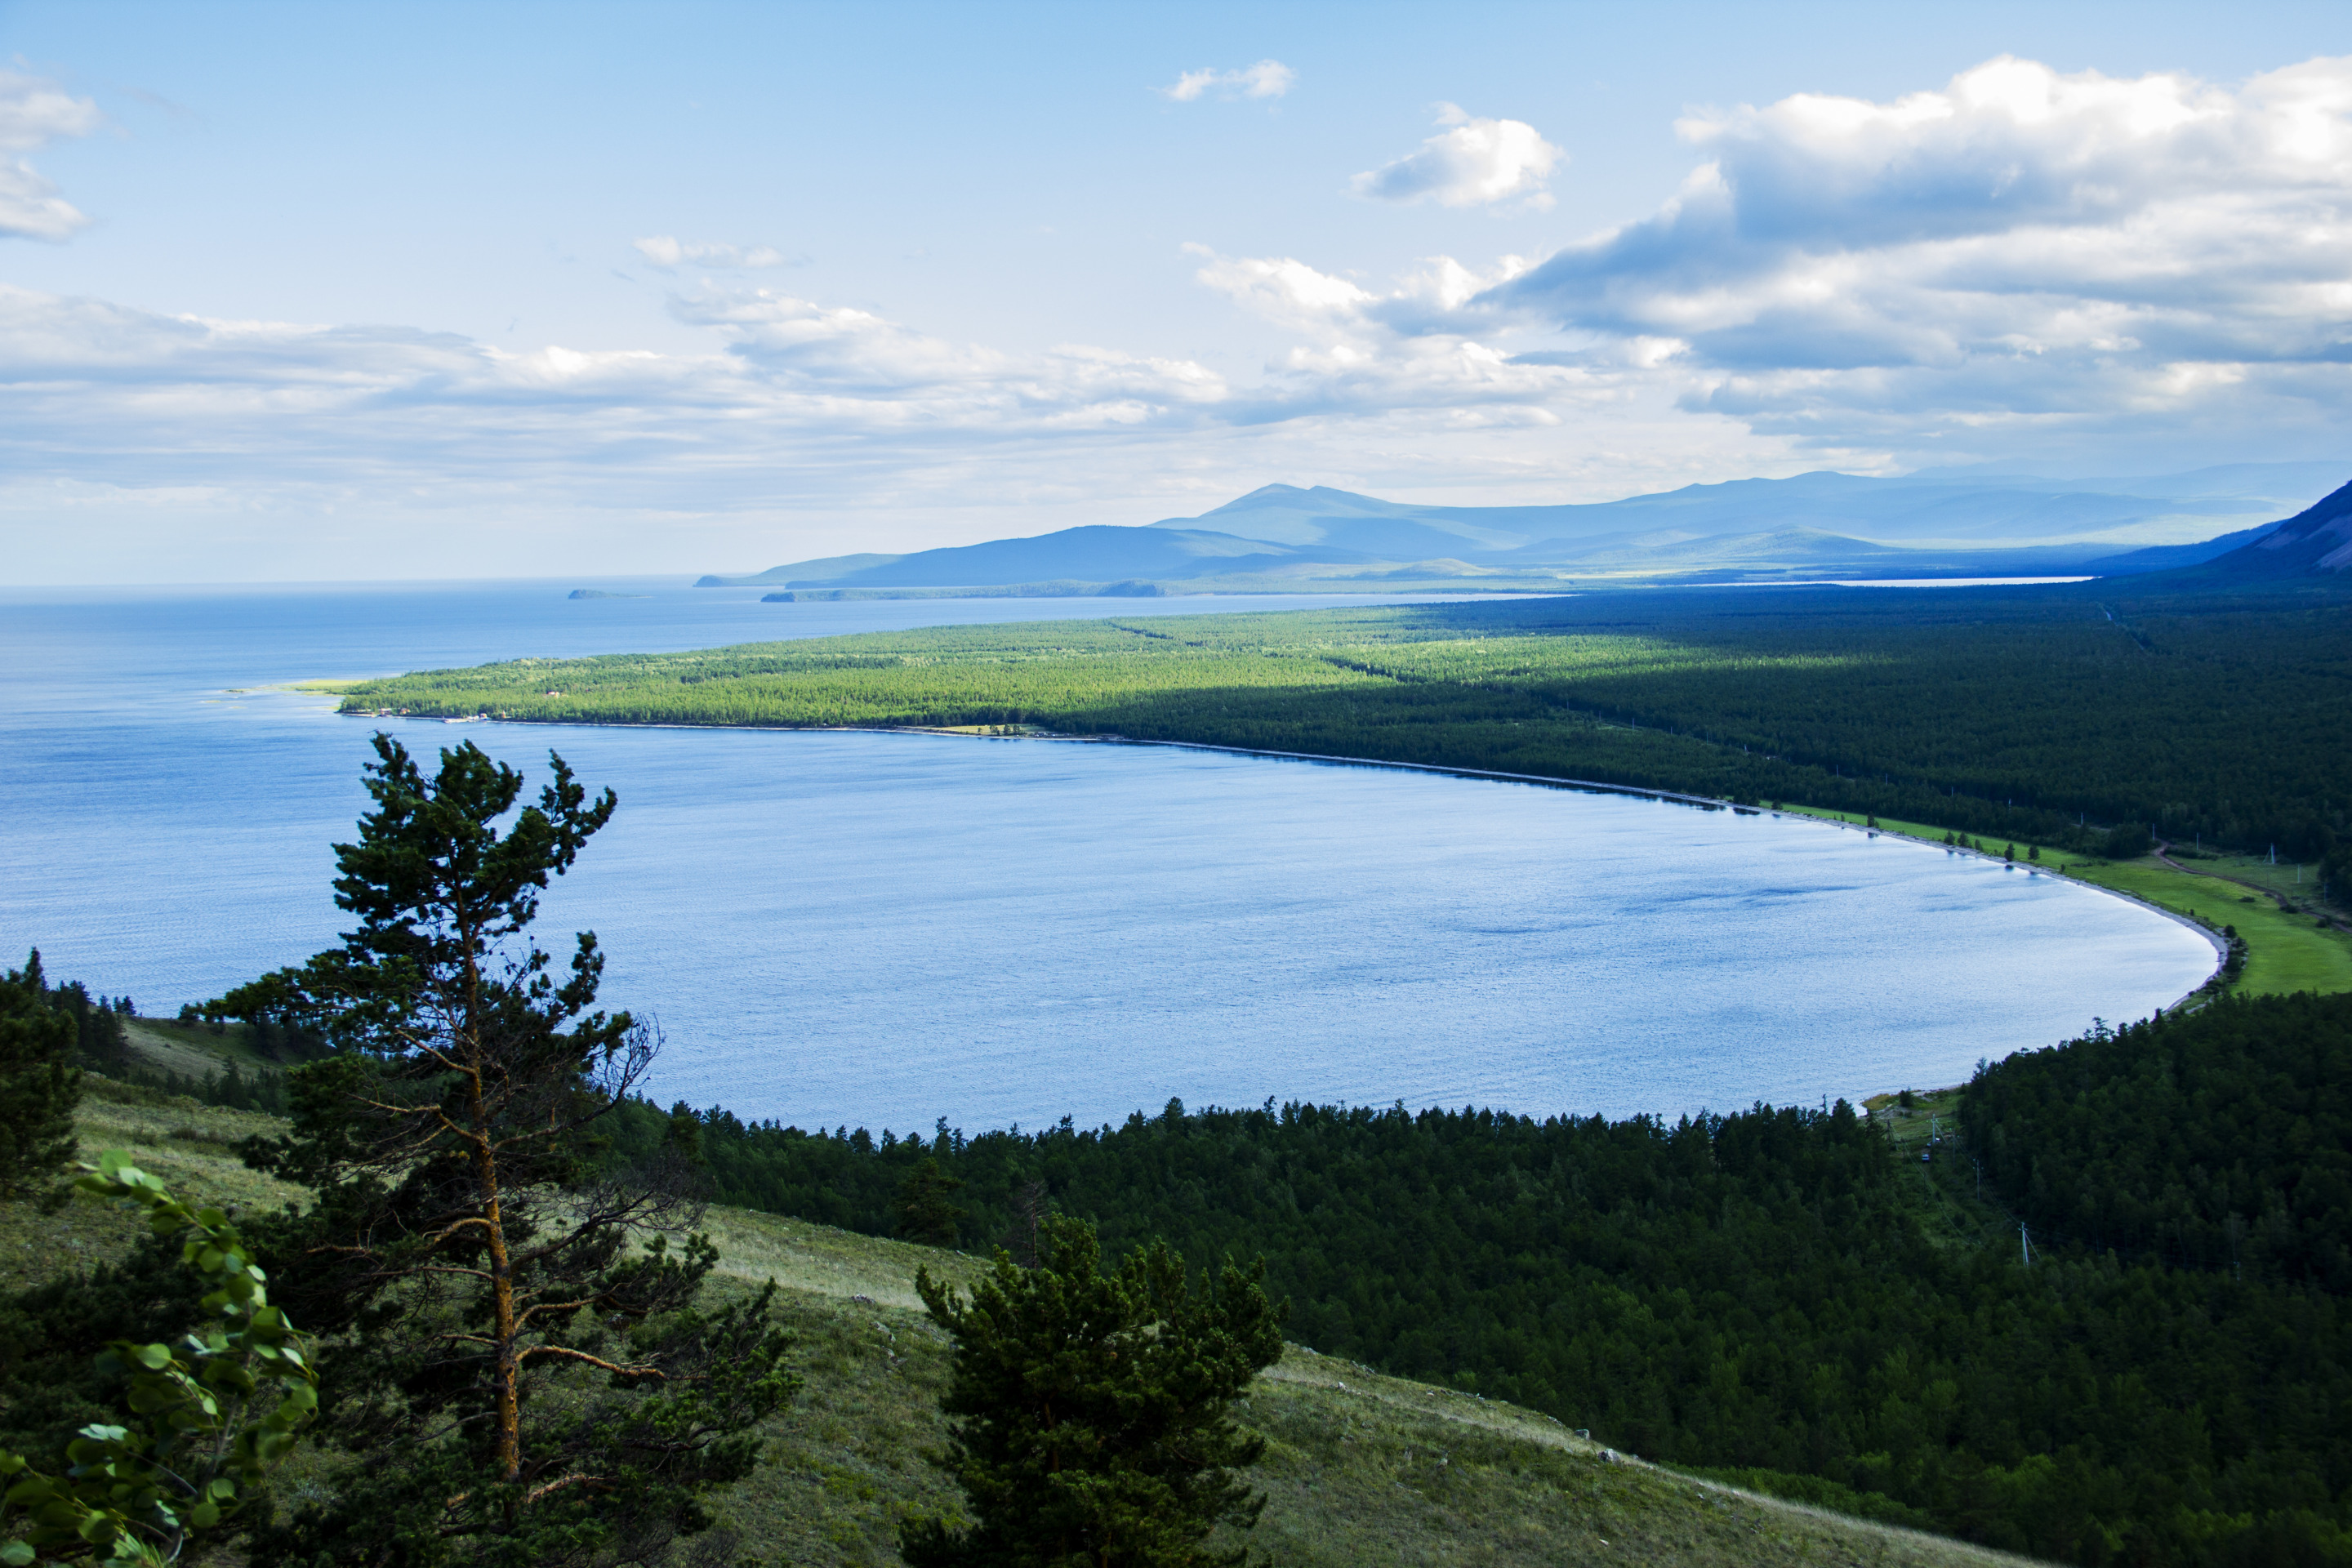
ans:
x=879 y=930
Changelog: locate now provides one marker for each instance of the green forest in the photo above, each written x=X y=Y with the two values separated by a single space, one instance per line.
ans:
x=1777 y=1290
x=2057 y=715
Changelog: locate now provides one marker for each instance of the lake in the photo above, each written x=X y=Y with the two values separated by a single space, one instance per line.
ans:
x=879 y=930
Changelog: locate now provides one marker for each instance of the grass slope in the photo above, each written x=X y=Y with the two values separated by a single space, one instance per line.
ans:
x=1359 y=1468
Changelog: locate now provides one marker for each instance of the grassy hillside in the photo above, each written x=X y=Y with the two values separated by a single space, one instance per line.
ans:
x=192 y=1146
x=1361 y=1469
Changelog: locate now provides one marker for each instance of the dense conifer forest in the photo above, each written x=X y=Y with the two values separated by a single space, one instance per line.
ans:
x=1776 y=1290
x=2220 y=1143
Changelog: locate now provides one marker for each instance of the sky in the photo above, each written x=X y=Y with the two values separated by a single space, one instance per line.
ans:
x=305 y=292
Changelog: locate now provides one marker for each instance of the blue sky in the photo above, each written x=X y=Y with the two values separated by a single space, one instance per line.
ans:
x=342 y=290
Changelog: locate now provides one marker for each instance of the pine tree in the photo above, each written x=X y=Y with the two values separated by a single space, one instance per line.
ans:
x=517 y=1384
x=39 y=1086
x=1091 y=1414
x=925 y=1206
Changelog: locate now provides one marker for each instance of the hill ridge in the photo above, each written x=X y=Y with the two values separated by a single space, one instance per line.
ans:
x=1287 y=537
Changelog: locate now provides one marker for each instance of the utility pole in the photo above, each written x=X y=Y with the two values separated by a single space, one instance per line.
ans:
x=2025 y=1246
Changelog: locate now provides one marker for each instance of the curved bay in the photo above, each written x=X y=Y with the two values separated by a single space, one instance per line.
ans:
x=880 y=929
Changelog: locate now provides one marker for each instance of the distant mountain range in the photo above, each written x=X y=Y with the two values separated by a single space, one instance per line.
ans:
x=1947 y=523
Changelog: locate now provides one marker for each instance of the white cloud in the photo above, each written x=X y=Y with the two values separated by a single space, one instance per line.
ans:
x=305 y=444
x=2020 y=250
x=1288 y=293
x=1479 y=162
x=1411 y=346
x=669 y=253
x=32 y=112
x=1268 y=79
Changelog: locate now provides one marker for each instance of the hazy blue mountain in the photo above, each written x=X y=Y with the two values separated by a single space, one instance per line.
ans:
x=1942 y=523
x=1091 y=554
x=823 y=569
x=1944 y=506
x=2165 y=557
x=1288 y=515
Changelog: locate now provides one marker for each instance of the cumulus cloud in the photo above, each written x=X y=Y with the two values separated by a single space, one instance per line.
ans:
x=33 y=112
x=1479 y=162
x=669 y=253
x=2018 y=248
x=1407 y=346
x=862 y=362
x=1430 y=300
x=1268 y=79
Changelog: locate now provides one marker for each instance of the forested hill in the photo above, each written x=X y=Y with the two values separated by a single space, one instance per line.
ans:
x=2036 y=714
x=1776 y=1289
x=2220 y=1142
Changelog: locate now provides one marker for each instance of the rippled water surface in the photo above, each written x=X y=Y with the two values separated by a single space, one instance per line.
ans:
x=878 y=929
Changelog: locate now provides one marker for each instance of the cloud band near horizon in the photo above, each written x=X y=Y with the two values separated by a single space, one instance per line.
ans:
x=2019 y=265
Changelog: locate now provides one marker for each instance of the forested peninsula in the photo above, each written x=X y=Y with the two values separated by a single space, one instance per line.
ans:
x=2061 y=716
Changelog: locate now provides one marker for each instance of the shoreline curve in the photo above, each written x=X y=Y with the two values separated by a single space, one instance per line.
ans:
x=1590 y=787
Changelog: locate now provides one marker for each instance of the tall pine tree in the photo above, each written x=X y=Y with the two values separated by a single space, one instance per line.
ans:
x=515 y=1383
x=1091 y=1414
